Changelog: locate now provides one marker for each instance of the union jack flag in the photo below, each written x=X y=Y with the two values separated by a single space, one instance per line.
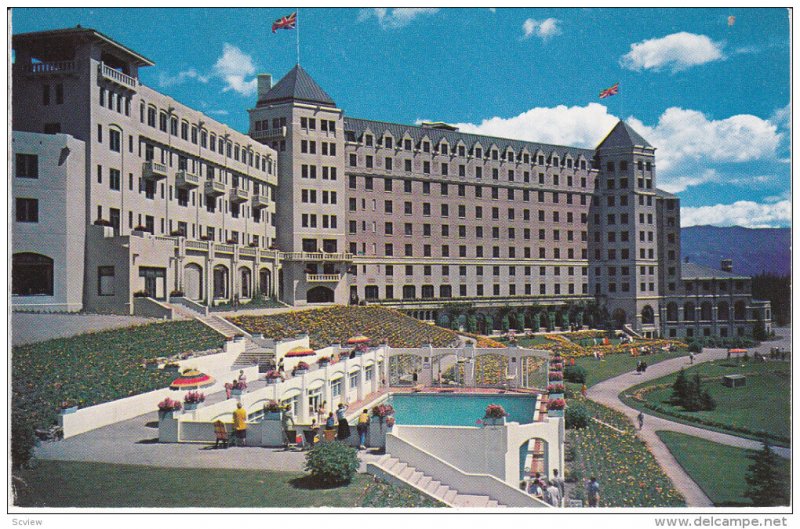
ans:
x=611 y=91
x=289 y=22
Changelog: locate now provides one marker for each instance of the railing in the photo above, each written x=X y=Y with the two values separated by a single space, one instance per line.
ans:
x=323 y=278
x=214 y=188
x=154 y=170
x=186 y=179
x=49 y=67
x=239 y=195
x=249 y=252
x=118 y=77
x=269 y=133
x=197 y=245
x=260 y=201
x=317 y=256
x=223 y=248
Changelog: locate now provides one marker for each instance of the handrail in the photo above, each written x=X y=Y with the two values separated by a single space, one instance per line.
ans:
x=117 y=76
x=50 y=67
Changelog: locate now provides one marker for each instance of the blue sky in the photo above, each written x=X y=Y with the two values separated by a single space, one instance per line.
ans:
x=713 y=98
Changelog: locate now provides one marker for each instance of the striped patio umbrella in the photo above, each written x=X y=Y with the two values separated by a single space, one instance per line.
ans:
x=299 y=352
x=737 y=351
x=192 y=379
x=355 y=340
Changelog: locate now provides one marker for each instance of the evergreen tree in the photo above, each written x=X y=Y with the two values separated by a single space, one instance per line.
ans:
x=707 y=402
x=765 y=488
x=679 y=389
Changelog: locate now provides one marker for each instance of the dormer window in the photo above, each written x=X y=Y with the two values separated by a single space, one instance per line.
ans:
x=368 y=140
x=350 y=136
x=541 y=159
x=569 y=163
x=478 y=152
x=462 y=151
x=555 y=161
x=526 y=158
x=495 y=154
x=387 y=142
x=426 y=146
x=510 y=156
x=407 y=144
x=443 y=148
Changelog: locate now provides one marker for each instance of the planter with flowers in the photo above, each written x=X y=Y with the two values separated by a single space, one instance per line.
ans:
x=495 y=415
x=167 y=422
x=323 y=361
x=238 y=389
x=381 y=414
x=273 y=376
x=555 y=391
x=192 y=400
x=555 y=407
x=273 y=411
x=300 y=369
x=555 y=376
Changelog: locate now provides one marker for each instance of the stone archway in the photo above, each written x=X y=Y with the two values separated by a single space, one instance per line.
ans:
x=245 y=282
x=221 y=282
x=265 y=282
x=319 y=294
x=193 y=282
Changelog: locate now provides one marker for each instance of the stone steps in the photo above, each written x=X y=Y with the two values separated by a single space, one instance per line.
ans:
x=434 y=488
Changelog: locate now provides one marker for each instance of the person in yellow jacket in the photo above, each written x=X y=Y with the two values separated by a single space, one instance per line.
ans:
x=240 y=425
x=362 y=427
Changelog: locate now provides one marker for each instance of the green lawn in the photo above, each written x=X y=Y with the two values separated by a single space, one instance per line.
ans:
x=617 y=364
x=718 y=469
x=763 y=405
x=78 y=484
x=628 y=474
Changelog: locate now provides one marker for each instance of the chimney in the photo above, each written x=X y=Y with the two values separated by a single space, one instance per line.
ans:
x=726 y=265
x=264 y=84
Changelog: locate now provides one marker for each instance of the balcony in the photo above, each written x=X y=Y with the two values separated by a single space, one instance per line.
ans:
x=153 y=170
x=323 y=278
x=214 y=188
x=49 y=68
x=117 y=77
x=186 y=180
x=318 y=256
x=269 y=134
x=239 y=195
x=260 y=202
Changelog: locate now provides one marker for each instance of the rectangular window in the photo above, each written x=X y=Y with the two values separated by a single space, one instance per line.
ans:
x=114 y=179
x=27 y=210
x=105 y=280
x=27 y=165
x=114 y=140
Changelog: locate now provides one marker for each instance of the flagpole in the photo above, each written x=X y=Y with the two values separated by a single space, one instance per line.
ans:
x=297 y=25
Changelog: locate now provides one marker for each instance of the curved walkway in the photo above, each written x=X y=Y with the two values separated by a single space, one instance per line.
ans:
x=607 y=393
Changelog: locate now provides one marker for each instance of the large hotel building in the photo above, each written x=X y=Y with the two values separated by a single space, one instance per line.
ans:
x=122 y=192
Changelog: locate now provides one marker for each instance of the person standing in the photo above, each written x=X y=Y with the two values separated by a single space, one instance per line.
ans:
x=344 y=428
x=242 y=378
x=321 y=411
x=593 y=492
x=558 y=481
x=584 y=390
x=553 y=495
x=362 y=427
x=240 y=424
x=691 y=357
x=640 y=418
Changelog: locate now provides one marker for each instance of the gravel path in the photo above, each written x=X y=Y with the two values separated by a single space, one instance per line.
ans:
x=607 y=393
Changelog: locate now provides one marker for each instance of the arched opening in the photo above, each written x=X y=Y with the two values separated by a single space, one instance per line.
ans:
x=281 y=292
x=427 y=291
x=740 y=311
x=220 y=282
x=648 y=318
x=491 y=369
x=265 y=282
x=445 y=291
x=409 y=292
x=245 y=282
x=533 y=458
x=320 y=294
x=193 y=281
x=31 y=275
x=688 y=311
x=619 y=318
x=705 y=311
x=672 y=311
x=404 y=369
x=723 y=311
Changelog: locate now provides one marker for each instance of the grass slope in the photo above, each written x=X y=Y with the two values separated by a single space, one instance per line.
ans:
x=718 y=469
x=78 y=484
x=763 y=405
x=617 y=364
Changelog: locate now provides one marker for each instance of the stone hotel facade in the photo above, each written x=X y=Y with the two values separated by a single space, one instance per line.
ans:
x=120 y=190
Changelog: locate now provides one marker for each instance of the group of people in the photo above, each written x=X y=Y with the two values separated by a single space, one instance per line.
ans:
x=237 y=383
x=338 y=423
x=550 y=491
x=641 y=366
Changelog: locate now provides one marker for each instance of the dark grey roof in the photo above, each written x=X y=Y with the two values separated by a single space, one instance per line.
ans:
x=623 y=135
x=78 y=31
x=398 y=130
x=664 y=194
x=696 y=271
x=297 y=85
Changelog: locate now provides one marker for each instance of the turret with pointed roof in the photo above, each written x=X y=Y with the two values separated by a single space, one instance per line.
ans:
x=623 y=136
x=297 y=85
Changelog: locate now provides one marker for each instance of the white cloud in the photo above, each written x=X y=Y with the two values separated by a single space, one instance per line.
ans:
x=742 y=213
x=544 y=29
x=782 y=117
x=577 y=126
x=395 y=18
x=677 y=52
x=218 y=112
x=165 y=80
x=233 y=67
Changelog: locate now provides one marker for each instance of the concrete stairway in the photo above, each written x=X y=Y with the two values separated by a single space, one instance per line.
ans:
x=254 y=354
x=402 y=472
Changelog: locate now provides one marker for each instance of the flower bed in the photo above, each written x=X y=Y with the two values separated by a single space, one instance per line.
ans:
x=628 y=474
x=336 y=324
x=99 y=367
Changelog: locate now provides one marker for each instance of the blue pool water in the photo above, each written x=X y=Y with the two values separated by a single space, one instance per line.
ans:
x=458 y=410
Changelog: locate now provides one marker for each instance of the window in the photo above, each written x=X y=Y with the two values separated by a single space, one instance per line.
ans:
x=59 y=94
x=407 y=165
x=31 y=275
x=114 y=179
x=105 y=280
x=27 y=165
x=27 y=210
x=114 y=140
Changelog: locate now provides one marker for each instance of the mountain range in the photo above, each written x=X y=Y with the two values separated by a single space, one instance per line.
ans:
x=753 y=250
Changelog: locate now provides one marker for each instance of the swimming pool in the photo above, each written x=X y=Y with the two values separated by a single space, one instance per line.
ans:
x=458 y=409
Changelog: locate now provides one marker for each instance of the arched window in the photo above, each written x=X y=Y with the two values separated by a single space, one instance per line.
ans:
x=648 y=318
x=427 y=291
x=409 y=292
x=705 y=311
x=31 y=275
x=723 y=311
x=688 y=311
x=672 y=311
x=739 y=310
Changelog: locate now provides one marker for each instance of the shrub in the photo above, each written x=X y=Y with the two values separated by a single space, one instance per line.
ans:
x=575 y=374
x=22 y=440
x=332 y=463
x=576 y=417
x=695 y=347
